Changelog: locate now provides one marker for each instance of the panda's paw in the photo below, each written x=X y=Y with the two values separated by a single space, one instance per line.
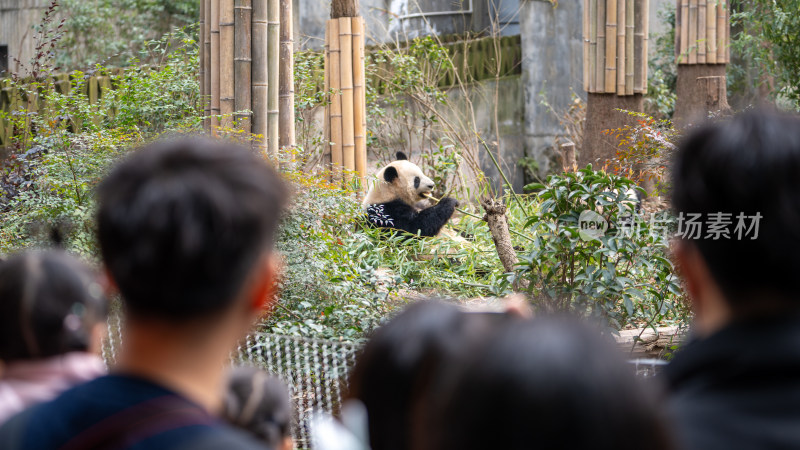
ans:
x=450 y=201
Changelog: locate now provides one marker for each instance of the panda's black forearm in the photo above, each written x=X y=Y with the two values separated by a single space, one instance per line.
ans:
x=431 y=220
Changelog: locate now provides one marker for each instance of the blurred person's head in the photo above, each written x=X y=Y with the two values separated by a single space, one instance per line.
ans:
x=399 y=373
x=747 y=168
x=186 y=230
x=547 y=383
x=259 y=404
x=50 y=304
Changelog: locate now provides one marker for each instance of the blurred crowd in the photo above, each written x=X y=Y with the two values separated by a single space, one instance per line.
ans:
x=187 y=229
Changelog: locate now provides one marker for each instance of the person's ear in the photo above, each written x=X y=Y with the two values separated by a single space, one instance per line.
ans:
x=689 y=266
x=265 y=289
x=287 y=444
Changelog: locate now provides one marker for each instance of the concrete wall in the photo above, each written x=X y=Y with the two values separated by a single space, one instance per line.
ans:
x=552 y=66
x=17 y=18
x=390 y=20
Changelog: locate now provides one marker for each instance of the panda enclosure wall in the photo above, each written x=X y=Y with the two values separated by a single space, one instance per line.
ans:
x=546 y=33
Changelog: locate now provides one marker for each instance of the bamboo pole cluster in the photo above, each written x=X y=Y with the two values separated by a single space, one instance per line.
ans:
x=240 y=70
x=346 y=115
x=702 y=32
x=615 y=46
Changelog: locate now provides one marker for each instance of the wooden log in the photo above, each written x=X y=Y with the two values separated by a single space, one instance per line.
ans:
x=207 y=72
x=684 y=40
x=630 y=29
x=273 y=58
x=568 y=162
x=226 y=63
x=611 y=46
x=586 y=45
x=711 y=32
x=715 y=92
x=640 y=54
x=701 y=32
x=600 y=63
x=692 y=59
x=498 y=226
x=346 y=86
x=360 y=100
x=260 y=72
x=590 y=66
x=244 y=90
x=215 y=63
x=337 y=157
x=286 y=130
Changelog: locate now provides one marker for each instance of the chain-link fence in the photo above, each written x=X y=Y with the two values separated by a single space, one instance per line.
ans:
x=315 y=370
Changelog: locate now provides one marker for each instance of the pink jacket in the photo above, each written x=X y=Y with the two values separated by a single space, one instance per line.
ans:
x=28 y=382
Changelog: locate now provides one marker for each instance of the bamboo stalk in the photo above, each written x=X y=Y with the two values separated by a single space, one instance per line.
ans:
x=286 y=117
x=273 y=59
x=346 y=86
x=337 y=156
x=207 y=73
x=359 y=100
x=590 y=66
x=611 y=46
x=226 y=63
x=215 y=63
x=711 y=32
x=326 y=149
x=260 y=72
x=701 y=32
x=630 y=29
x=243 y=65
x=684 y=43
x=202 y=53
x=643 y=62
x=586 y=45
x=638 y=44
x=723 y=33
x=621 y=41
x=642 y=19
x=692 y=32
x=600 y=63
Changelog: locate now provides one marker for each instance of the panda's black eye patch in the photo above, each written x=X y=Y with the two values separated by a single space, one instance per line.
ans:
x=416 y=182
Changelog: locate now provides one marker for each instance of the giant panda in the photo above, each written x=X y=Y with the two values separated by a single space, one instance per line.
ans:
x=393 y=201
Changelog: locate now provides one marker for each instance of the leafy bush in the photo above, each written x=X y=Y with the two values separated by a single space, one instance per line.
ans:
x=624 y=276
x=644 y=150
x=112 y=32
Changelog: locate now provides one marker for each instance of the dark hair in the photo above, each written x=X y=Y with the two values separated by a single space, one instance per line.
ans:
x=548 y=384
x=399 y=372
x=749 y=164
x=49 y=302
x=181 y=224
x=259 y=403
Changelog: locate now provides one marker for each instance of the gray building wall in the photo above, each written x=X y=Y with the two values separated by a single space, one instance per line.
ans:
x=399 y=20
x=17 y=19
x=552 y=69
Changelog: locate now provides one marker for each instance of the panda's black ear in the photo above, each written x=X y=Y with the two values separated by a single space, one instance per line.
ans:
x=402 y=156
x=390 y=174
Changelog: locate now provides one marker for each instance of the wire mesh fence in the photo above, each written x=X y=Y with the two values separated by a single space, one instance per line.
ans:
x=315 y=370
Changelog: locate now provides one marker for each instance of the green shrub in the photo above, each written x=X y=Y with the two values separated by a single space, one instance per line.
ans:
x=624 y=276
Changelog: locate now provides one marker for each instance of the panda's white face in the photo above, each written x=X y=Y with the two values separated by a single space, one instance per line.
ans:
x=402 y=180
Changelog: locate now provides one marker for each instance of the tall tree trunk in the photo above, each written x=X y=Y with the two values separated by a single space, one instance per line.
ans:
x=344 y=8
